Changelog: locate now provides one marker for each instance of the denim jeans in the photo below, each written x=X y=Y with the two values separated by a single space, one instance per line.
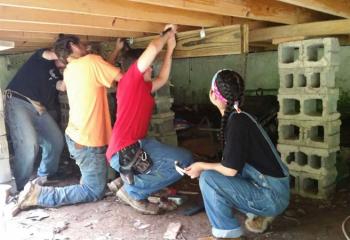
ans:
x=93 y=168
x=250 y=192
x=29 y=131
x=162 y=172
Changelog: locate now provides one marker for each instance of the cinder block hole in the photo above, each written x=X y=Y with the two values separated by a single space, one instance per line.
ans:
x=313 y=107
x=315 y=161
x=290 y=54
x=291 y=157
x=315 y=80
x=310 y=185
x=288 y=80
x=290 y=132
x=301 y=80
x=292 y=182
x=317 y=133
x=291 y=106
x=315 y=53
x=301 y=158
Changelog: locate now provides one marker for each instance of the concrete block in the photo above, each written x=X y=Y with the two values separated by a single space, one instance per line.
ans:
x=310 y=78
x=163 y=91
x=162 y=123
x=313 y=185
x=290 y=55
x=163 y=104
x=311 y=160
x=167 y=138
x=5 y=170
x=63 y=100
x=323 y=52
x=64 y=118
x=2 y=123
x=317 y=134
x=4 y=149
x=303 y=104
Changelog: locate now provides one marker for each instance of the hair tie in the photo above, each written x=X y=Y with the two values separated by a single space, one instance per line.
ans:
x=215 y=88
x=236 y=107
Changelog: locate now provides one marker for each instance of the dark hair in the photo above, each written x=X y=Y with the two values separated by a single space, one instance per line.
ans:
x=128 y=57
x=62 y=46
x=231 y=86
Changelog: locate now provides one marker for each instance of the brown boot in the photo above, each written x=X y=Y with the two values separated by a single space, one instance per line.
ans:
x=258 y=224
x=29 y=196
x=214 y=238
x=142 y=206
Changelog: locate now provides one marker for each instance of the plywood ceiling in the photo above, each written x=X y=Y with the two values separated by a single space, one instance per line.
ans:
x=32 y=24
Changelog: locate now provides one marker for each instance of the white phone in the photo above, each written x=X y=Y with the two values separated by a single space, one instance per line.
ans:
x=178 y=168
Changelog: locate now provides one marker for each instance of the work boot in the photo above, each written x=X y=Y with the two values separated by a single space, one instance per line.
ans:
x=258 y=224
x=214 y=238
x=115 y=185
x=40 y=180
x=29 y=196
x=142 y=206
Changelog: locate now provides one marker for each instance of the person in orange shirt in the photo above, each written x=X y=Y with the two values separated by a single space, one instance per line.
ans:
x=89 y=127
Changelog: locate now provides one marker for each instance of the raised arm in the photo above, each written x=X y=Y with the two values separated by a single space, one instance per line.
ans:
x=166 y=65
x=155 y=46
x=117 y=49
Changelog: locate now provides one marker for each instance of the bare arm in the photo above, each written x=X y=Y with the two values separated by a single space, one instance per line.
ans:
x=118 y=47
x=196 y=168
x=61 y=86
x=152 y=50
x=166 y=65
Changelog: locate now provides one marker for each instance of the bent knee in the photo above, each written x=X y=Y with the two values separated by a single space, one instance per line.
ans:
x=186 y=158
x=206 y=178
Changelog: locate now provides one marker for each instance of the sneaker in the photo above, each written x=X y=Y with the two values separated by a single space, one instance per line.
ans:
x=214 y=238
x=115 y=185
x=258 y=224
x=40 y=180
x=29 y=196
x=167 y=205
x=142 y=206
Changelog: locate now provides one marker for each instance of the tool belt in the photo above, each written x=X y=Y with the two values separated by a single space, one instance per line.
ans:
x=133 y=160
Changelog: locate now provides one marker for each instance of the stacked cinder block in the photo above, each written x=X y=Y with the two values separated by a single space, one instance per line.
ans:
x=309 y=125
x=5 y=169
x=64 y=108
x=162 y=122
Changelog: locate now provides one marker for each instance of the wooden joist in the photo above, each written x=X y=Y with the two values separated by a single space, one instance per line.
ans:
x=263 y=10
x=324 y=28
x=339 y=8
x=217 y=41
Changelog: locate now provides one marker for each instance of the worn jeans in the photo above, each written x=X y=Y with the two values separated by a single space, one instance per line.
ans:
x=93 y=168
x=250 y=192
x=162 y=172
x=29 y=131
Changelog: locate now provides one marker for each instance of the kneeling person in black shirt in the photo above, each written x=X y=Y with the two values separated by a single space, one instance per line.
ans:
x=250 y=177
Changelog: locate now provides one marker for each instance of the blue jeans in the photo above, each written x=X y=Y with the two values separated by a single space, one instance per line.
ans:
x=93 y=168
x=29 y=131
x=162 y=173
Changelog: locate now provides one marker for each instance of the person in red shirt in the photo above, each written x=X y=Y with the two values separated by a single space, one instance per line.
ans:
x=129 y=145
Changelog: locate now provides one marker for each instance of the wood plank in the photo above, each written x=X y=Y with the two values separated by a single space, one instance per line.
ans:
x=73 y=19
x=339 y=8
x=324 y=28
x=265 y=10
x=218 y=41
x=125 y=10
x=277 y=41
x=23 y=26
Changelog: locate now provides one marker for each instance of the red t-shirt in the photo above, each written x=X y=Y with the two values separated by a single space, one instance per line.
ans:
x=134 y=110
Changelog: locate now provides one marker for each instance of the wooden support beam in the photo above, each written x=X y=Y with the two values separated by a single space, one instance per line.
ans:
x=217 y=41
x=324 y=28
x=125 y=10
x=23 y=26
x=339 y=8
x=263 y=10
x=77 y=20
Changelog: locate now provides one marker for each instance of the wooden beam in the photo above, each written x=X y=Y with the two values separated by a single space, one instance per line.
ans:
x=78 y=20
x=323 y=28
x=339 y=8
x=217 y=41
x=263 y=10
x=23 y=26
x=125 y=10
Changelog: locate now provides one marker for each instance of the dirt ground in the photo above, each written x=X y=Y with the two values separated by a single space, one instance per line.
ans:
x=305 y=219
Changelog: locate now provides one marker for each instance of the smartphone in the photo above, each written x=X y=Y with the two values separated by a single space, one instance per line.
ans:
x=178 y=168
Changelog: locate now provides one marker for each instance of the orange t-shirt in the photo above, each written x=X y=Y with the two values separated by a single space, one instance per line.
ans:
x=86 y=80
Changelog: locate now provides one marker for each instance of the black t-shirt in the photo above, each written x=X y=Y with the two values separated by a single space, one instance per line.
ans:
x=37 y=79
x=246 y=144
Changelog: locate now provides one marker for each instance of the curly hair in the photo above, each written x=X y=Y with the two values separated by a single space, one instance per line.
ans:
x=62 y=46
x=231 y=86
